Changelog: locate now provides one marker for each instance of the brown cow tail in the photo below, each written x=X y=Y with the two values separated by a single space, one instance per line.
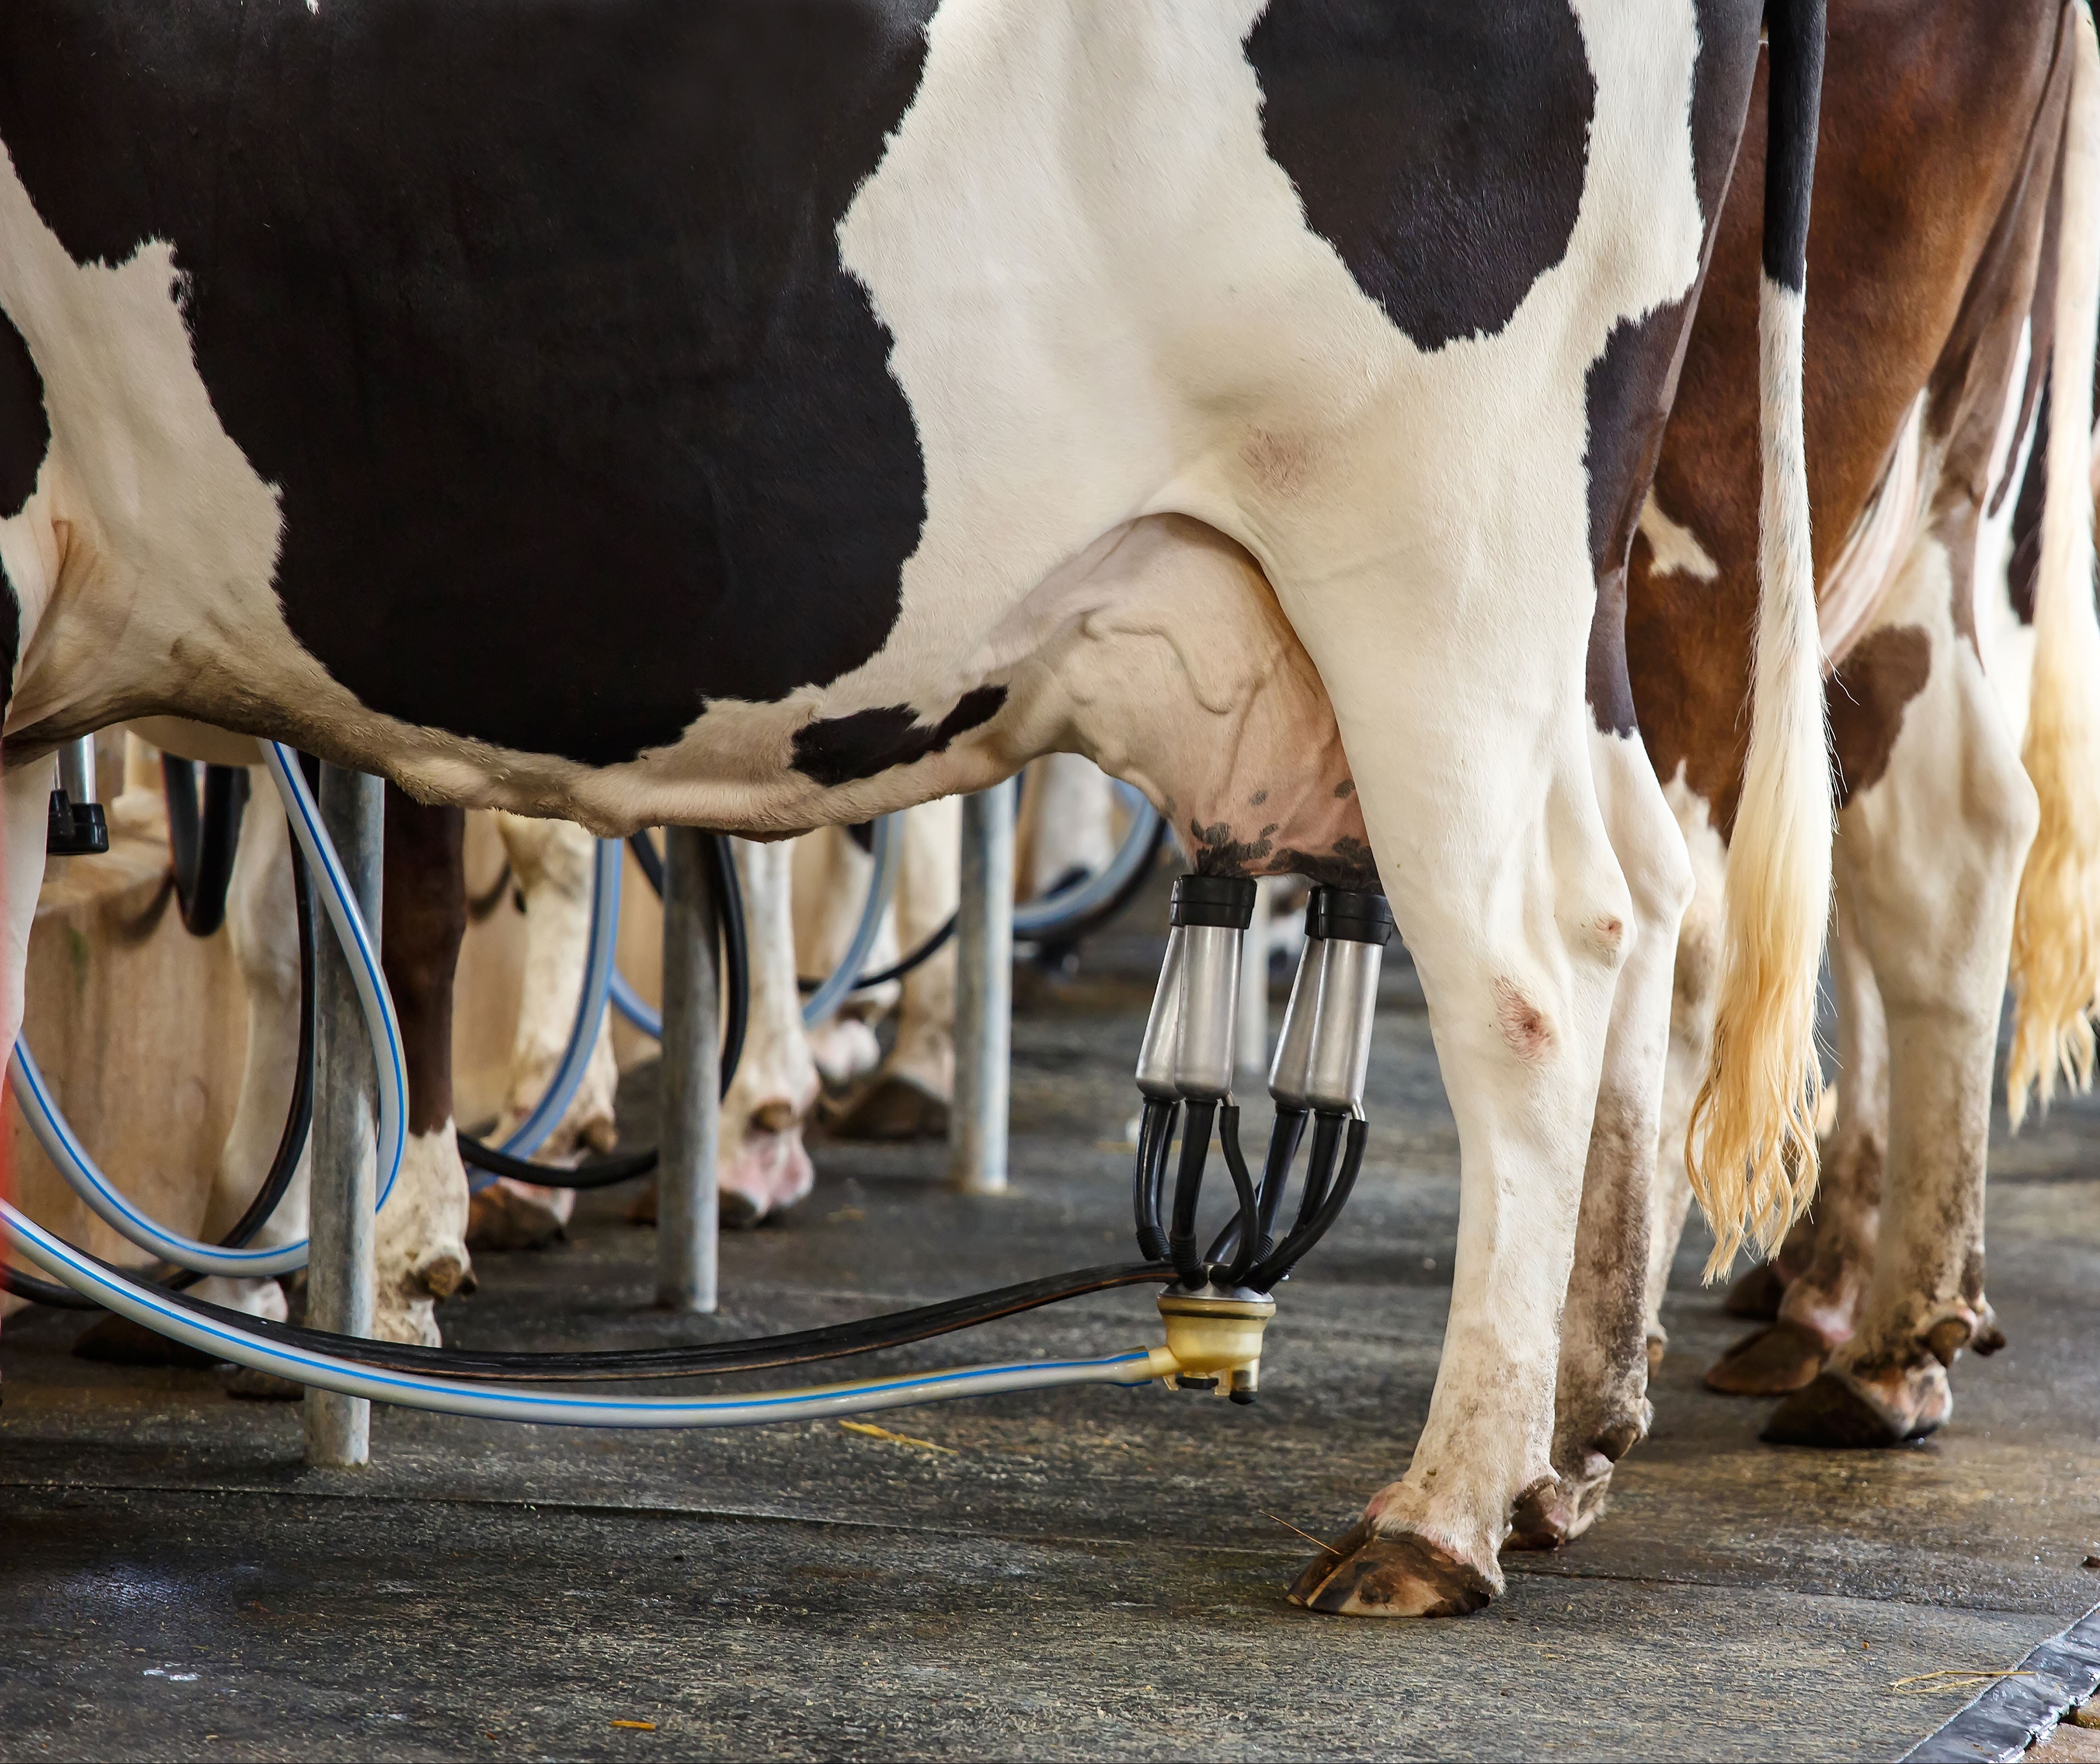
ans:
x=2056 y=925
x=1751 y=1147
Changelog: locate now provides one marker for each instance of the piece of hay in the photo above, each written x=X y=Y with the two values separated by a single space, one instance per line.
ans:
x=874 y=1432
x=1951 y=1678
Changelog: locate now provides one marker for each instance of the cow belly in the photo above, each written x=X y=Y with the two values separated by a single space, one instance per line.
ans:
x=1101 y=282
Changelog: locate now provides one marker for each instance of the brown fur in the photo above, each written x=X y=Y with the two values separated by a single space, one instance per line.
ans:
x=1868 y=693
x=1921 y=101
x=423 y=917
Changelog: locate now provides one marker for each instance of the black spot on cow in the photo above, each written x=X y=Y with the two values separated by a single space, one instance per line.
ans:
x=25 y=431
x=2023 y=570
x=839 y=749
x=533 y=310
x=1439 y=148
x=25 y=434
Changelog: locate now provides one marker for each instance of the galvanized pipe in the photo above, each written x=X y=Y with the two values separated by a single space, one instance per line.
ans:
x=984 y=994
x=687 y=1208
x=341 y=1276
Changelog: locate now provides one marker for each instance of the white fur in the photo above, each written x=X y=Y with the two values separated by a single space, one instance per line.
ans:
x=2056 y=936
x=1673 y=548
x=1752 y=1150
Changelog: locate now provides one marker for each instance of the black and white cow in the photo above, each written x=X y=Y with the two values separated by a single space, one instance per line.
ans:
x=692 y=411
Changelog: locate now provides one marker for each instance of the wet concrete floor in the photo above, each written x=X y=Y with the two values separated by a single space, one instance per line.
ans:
x=1092 y=1573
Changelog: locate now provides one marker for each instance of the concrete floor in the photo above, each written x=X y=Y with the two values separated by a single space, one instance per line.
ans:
x=1091 y=1573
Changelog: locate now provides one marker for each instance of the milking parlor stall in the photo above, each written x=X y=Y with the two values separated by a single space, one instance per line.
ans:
x=1050 y=878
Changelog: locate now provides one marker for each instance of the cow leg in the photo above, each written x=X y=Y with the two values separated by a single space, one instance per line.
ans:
x=1829 y=1256
x=421 y=1250
x=909 y=1097
x=1695 y=989
x=763 y=1168
x=831 y=873
x=1930 y=852
x=553 y=861
x=1601 y=1406
x=262 y=926
x=1494 y=851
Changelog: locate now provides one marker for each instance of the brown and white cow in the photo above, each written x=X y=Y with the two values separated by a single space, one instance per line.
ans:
x=1955 y=240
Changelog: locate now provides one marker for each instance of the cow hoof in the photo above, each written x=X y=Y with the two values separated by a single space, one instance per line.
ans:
x=252 y=1386
x=504 y=1216
x=894 y=1109
x=1658 y=1349
x=1405 y=1575
x=1546 y=1517
x=1783 y=1357
x=447 y=1276
x=1838 y=1411
x=116 y=1340
x=737 y=1212
x=1557 y=1509
x=1756 y=1294
x=642 y=1210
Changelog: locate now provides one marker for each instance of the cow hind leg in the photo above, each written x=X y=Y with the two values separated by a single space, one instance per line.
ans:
x=1601 y=1406
x=1694 y=993
x=1930 y=854
x=420 y=1244
x=909 y=1097
x=764 y=1168
x=1823 y=1272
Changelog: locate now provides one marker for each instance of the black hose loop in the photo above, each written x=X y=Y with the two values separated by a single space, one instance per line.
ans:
x=651 y=860
x=736 y=956
x=202 y=846
x=1312 y=1227
x=755 y=1354
x=291 y=1143
x=1188 y=1190
x=1243 y=1220
x=1155 y=1133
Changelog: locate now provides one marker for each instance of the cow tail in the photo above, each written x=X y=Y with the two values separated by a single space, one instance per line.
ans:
x=2056 y=925
x=1751 y=1148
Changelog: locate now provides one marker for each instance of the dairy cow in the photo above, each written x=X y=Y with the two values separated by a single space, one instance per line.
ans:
x=763 y=416
x=1958 y=240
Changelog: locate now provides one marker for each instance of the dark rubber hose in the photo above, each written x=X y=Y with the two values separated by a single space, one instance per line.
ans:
x=202 y=845
x=757 y=1354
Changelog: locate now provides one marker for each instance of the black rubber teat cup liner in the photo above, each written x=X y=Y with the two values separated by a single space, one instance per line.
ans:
x=1223 y=901
x=1353 y=917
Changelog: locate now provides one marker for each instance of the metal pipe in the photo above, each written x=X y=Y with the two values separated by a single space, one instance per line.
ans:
x=984 y=994
x=341 y=1277
x=77 y=769
x=687 y=1205
x=76 y=826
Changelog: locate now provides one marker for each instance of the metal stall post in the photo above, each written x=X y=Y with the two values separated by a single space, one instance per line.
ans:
x=687 y=1205
x=340 y=1278
x=984 y=994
